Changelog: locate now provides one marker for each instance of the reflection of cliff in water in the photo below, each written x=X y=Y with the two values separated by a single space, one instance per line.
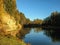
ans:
x=23 y=32
x=54 y=34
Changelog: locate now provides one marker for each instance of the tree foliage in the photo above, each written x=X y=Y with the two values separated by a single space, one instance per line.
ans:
x=23 y=19
x=37 y=21
x=53 y=19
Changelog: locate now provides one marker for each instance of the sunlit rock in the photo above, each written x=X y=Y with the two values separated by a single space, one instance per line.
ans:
x=8 y=22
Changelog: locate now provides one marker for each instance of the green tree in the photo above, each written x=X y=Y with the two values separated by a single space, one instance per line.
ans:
x=52 y=20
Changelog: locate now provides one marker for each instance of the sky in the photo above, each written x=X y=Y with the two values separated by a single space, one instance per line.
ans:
x=38 y=9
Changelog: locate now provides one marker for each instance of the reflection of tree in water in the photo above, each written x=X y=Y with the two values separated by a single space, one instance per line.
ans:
x=54 y=34
x=37 y=29
x=23 y=32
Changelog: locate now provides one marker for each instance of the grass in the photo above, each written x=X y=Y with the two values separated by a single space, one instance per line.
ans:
x=5 y=40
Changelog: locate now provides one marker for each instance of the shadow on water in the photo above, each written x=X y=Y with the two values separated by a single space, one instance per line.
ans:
x=53 y=33
x=32 y=25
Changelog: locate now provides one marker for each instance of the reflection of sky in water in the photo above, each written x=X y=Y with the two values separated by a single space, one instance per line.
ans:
x=39 y=38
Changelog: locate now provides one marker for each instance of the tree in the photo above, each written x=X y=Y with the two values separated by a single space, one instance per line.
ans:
x=52 y=20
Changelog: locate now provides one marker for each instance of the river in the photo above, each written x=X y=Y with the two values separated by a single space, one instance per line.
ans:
x=39 y=36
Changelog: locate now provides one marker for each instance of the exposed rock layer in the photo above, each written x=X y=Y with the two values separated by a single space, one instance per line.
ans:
x=9 y=22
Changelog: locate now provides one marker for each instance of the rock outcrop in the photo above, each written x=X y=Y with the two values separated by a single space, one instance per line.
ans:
x=9 y=17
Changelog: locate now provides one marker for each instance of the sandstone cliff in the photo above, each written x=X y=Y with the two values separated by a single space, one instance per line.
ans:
x=9 y=17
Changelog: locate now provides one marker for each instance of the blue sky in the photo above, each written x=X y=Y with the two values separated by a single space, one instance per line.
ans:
x=40 y=9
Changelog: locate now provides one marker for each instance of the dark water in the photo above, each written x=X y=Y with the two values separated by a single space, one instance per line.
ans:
x=37 y=36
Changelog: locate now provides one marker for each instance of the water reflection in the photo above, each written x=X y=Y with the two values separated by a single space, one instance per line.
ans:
x=54 y=34
x=39 y=36
x=23 y=32
x=37 y=29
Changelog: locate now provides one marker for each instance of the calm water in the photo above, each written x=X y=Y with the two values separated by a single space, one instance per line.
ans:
x=42 y=37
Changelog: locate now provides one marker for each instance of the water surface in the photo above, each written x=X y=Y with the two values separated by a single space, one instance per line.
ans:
x=41 y=37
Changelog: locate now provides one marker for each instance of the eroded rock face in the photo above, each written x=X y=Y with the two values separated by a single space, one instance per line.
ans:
x=8 y=21
x=8 y=24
